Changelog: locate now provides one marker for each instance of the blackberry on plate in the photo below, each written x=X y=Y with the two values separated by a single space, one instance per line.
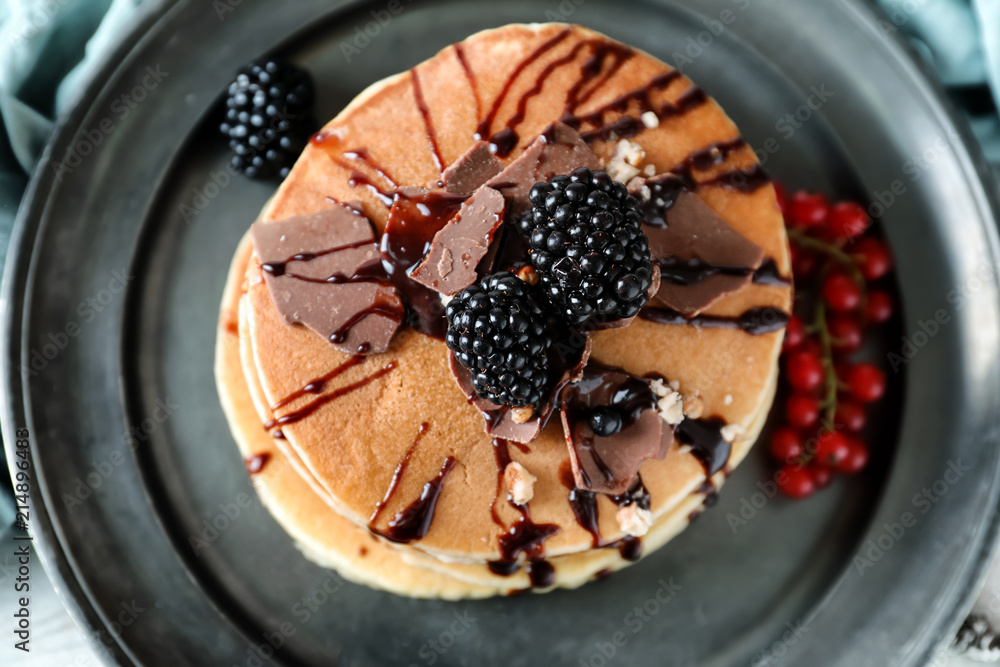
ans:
x=268 y=117
x=498 y=331
x=587 y=244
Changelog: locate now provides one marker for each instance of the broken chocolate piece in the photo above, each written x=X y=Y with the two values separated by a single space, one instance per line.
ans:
x=501 y=421
x=656 y=195
x=557 y=150
x=700 y=256
x=472 y=170
x=324 y=271
x=610 y=464
x=450 y=264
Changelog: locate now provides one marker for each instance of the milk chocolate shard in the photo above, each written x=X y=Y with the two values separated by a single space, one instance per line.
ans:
x=324 y=271
x=472 y=170
x=557 y=150
x=611 y=464
x=455 y=251
x=701 y=257
x=500 y=420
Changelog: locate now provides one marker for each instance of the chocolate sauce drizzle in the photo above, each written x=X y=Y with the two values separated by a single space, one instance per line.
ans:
x=362 y=155
x=406 y=240
x=704 y=436
x=278 y=269
x=483 y=129
x=756 y=321
x=397 y=474
x=425 y=113
x=256 y=463
x=769 y=274
x=524 y=535
x=413 y=522
x=470 y=77
x=318 y=385
x=584 y=506
x=695 y=271
x=310 y=408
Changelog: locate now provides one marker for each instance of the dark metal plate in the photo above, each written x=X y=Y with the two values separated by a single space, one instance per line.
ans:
x=132 y=457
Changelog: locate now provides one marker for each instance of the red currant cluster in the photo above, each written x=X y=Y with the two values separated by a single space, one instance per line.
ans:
x=834 y=264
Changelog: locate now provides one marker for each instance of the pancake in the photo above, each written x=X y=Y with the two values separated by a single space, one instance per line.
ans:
x=341 y=459
x=331 y=541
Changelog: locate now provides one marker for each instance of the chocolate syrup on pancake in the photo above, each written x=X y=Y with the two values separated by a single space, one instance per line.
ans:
x=768 y=274
x=302 y=413
x=418 y=96
x=523 y=536
x=584 y=506
x=413 y=522
x=483 y=129
x=317 y=385
x=256 y=463
x=704 y=436
x=397 y=474
x=277 y=269
x=413 y=222
x=756 y=321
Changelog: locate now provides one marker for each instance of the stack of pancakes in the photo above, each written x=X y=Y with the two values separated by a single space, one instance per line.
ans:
x=326 y=476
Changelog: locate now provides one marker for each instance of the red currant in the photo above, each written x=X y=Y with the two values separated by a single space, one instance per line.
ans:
x=807 y=209
x=873 y=258
x=821 y=475
x=802 y=411
x=795 y=333
x=879 y=308
x=856 y=459
x=850 y=415
x=847 y=220
x=804 y=263
x=867 y=382
x=841 y=293
x=795 y=482
x=805 y=370
x=831 y=448
x=786 y=445
x=845 y=334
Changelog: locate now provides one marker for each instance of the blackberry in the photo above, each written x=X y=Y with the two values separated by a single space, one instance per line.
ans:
x=587 y=244
x=268 y=117
x=498 y=331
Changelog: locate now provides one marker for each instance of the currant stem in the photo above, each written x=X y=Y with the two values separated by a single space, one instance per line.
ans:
x=826 y=346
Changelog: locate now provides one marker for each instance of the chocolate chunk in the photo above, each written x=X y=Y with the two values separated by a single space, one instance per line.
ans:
x=450 y=264
x=657 y=195
x=700 y=256
x=499 y=419
x=610 y=464
x=472 y=170
x=324 y=271
x=557 y=150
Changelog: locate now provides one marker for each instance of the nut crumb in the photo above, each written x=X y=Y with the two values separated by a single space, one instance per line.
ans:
x=649 y=170
x=522 y=415
x=520 y=483
x=528 y=275
x=694 y=407
x=671 y=408
x=445 y=299
x=624 y=164
x=634 y=520
x=646 y=193
x=728 y=400
x=732 y=432
x=650 y=119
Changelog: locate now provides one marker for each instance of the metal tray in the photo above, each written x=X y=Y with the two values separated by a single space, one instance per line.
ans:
x=110 y=303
